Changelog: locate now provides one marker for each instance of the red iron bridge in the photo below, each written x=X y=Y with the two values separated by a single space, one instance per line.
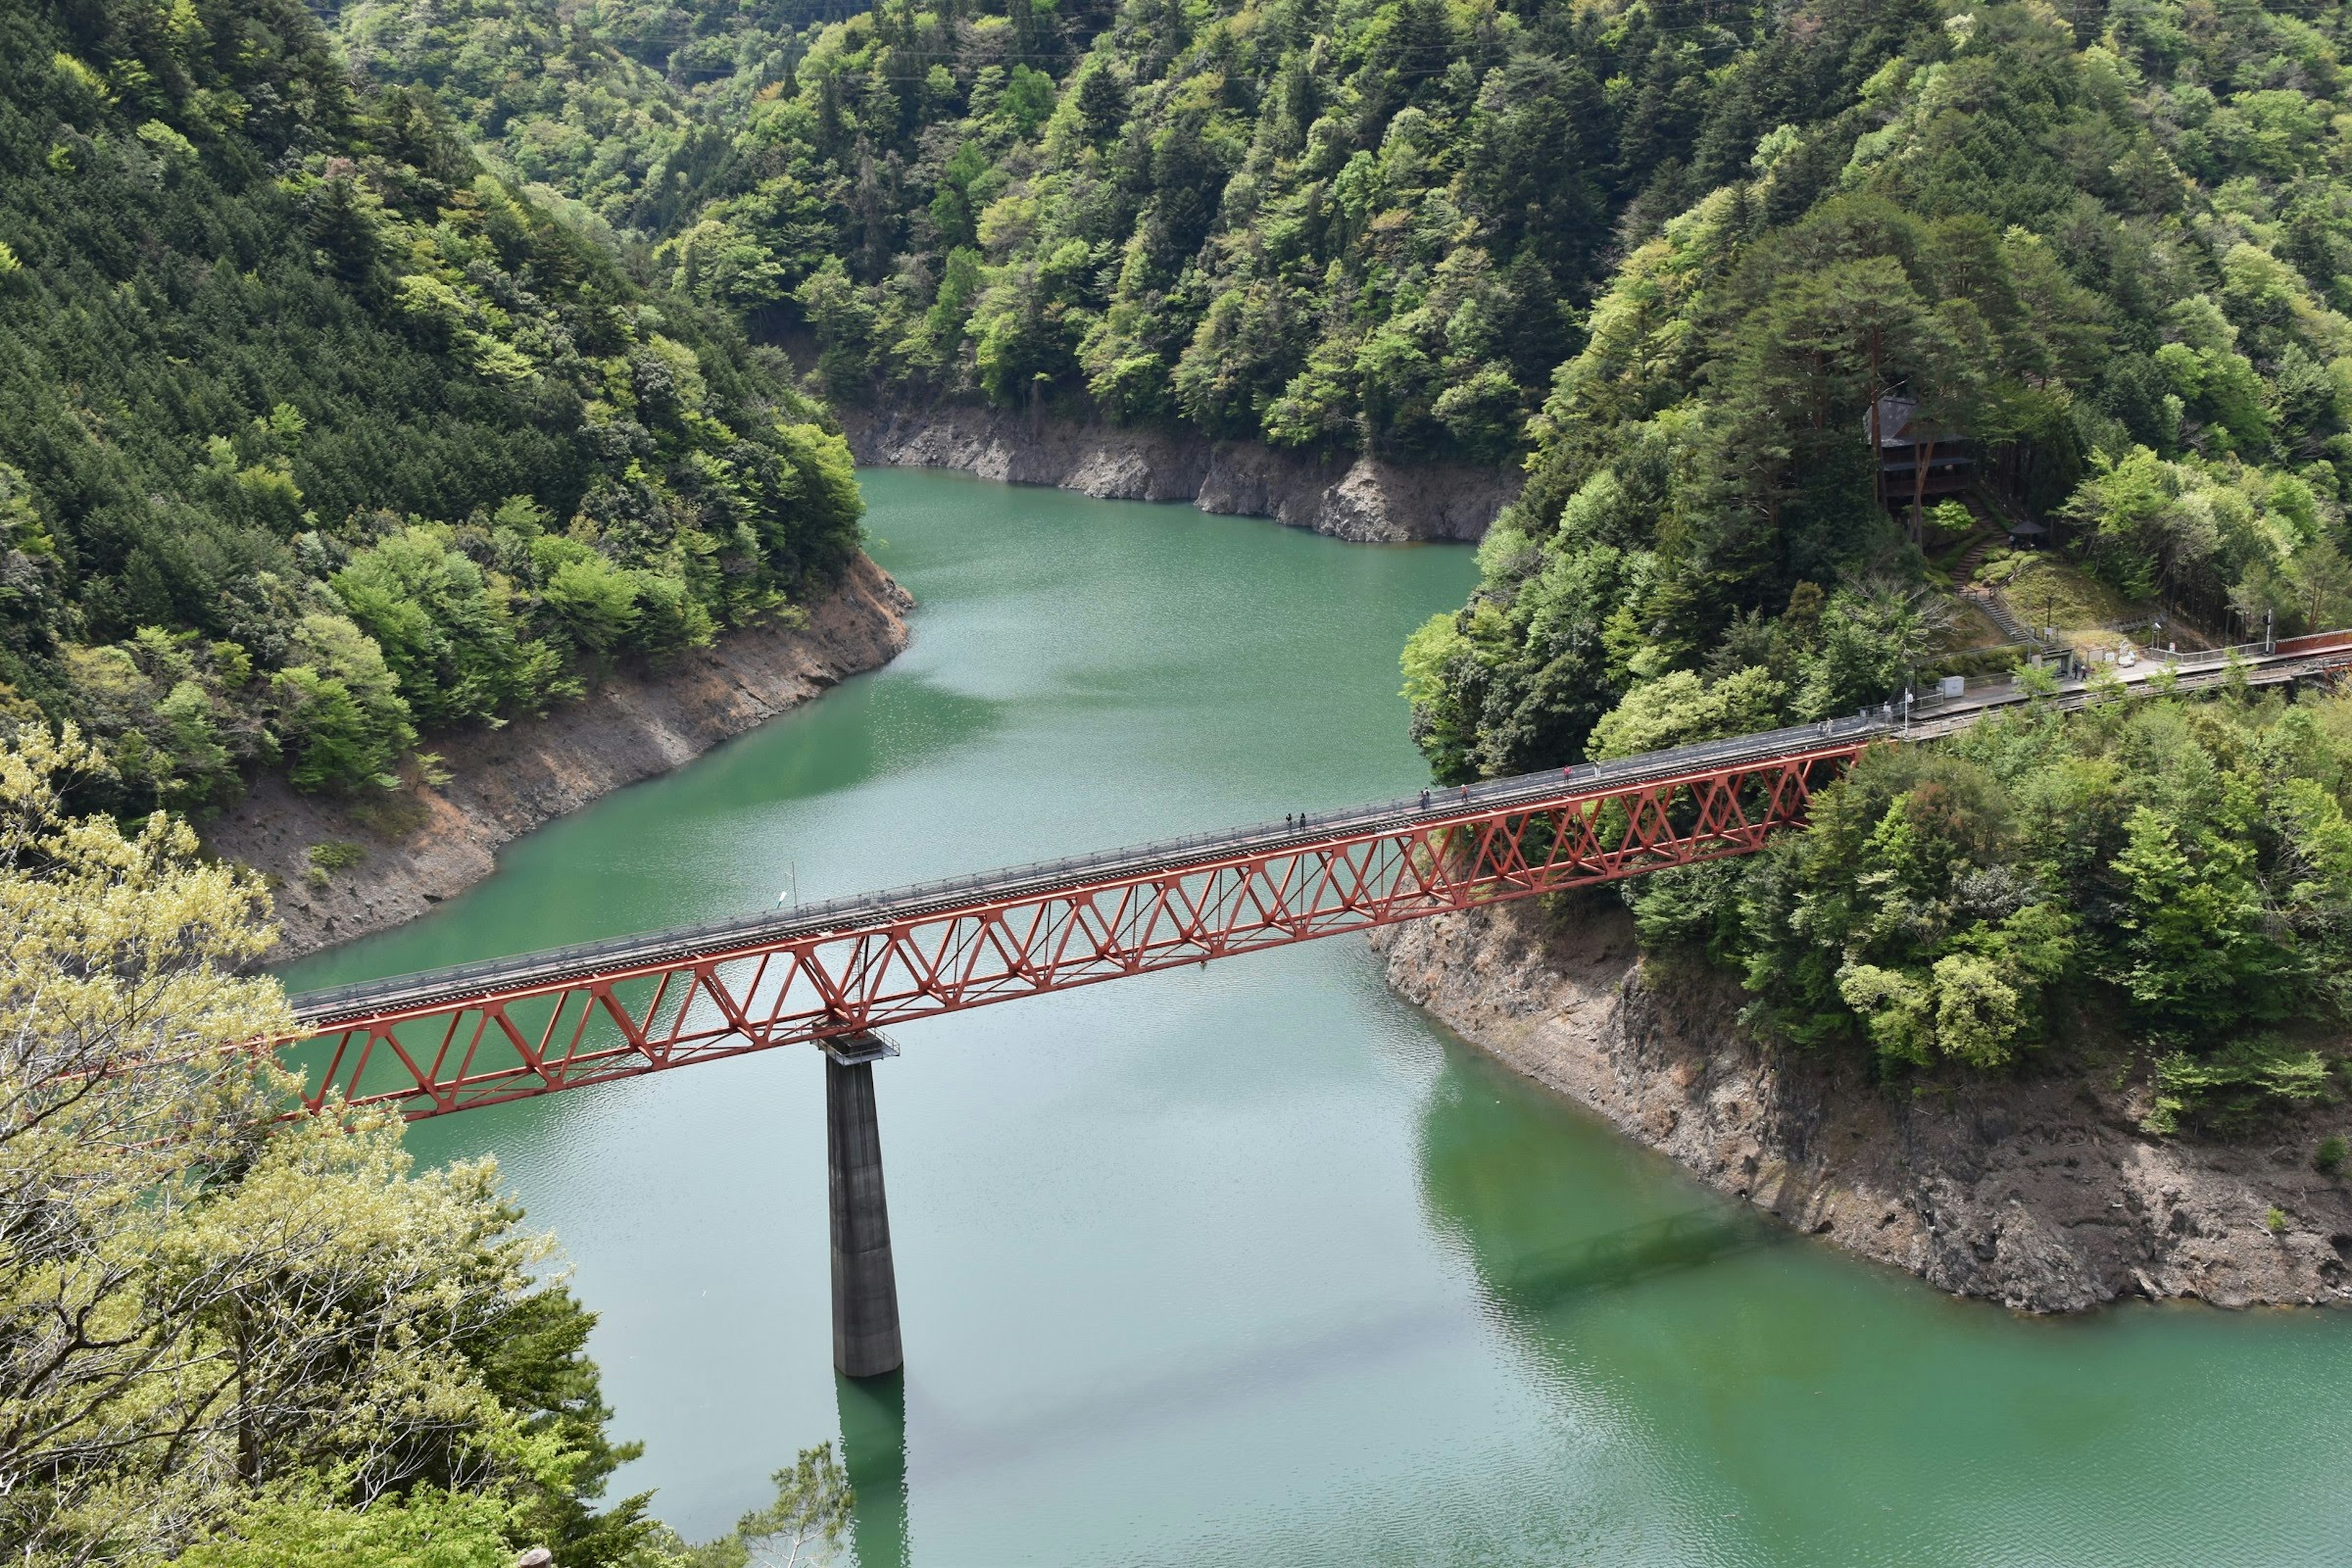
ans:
x=481 y=1034
x=834 y=973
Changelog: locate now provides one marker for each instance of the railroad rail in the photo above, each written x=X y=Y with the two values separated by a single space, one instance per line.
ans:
x=502 y=1029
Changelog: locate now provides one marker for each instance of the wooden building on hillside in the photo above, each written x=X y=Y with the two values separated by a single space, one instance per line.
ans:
x=1921 y=466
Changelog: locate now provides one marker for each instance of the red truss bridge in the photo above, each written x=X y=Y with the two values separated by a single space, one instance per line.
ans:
x=481 y=1034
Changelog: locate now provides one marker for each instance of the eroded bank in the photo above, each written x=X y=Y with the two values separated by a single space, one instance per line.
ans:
x=2038 y=1193
x=1362 y=499
x=340 y=871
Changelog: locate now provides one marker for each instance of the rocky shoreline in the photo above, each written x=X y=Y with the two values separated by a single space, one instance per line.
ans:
x=385 y=862
x=2039 y=1193
x=1361 y=499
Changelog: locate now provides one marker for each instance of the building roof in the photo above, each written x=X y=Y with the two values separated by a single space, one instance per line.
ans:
x=1895 y=413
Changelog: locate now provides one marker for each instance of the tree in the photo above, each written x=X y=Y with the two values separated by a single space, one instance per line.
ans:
x=1873 y=636
x=804 y=1525
x=215 y=1323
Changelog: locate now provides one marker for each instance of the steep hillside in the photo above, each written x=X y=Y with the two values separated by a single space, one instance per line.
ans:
x=318 y=437
x=1356 y=227
x=2105 y=261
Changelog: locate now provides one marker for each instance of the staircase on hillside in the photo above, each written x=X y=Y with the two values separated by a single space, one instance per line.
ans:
x=1965 y=568
x=1992 y=528
x=1996 y=608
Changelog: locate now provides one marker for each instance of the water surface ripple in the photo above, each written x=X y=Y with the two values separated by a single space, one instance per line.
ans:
x=1254 y=1265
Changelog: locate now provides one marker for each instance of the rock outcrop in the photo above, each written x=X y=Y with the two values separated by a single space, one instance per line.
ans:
x=1361 y=498
x=390 y=860
x=2037 y=1192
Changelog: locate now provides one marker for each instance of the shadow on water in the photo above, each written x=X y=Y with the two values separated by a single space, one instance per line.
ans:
x=1521 y=1201
x=874 y=1451
x=1669 y=1244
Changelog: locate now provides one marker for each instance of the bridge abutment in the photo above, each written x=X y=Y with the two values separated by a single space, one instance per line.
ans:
x=865 y=1283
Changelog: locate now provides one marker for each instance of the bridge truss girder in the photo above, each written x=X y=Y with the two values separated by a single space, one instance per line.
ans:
x=504 y=1045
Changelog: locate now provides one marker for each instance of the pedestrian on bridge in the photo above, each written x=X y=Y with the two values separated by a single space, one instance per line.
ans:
x=1424 y=800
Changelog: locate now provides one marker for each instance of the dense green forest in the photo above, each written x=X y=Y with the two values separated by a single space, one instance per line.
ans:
x=320 y=437
x=2119 y=242
x=1356 y=225
x=2181 y=870
x=620 y=110
x=2082 y=248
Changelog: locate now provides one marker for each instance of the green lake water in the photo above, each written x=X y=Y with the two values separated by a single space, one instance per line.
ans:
x=1256 y=1264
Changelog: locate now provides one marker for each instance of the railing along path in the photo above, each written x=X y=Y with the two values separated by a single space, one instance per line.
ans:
x=481 y=1034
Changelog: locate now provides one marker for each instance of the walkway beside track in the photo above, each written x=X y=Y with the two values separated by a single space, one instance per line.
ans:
x=319 y=1011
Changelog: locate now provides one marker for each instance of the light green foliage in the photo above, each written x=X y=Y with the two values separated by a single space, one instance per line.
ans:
x=2328 y=1158
x=333 y=856
x=593 y=601
x=2230 y=1091
x=447 y=628
x=339 y=710
x=804 y=1526
x=1949 y=522
x=1679 y=708
x=616 y=104
x=425 y=1528
x=274 y=1338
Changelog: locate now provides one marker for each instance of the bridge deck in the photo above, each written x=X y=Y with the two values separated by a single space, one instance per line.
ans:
x=476 y=1034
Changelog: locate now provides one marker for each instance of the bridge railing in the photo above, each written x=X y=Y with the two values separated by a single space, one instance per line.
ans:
x=1445 y=804
x=711 y=938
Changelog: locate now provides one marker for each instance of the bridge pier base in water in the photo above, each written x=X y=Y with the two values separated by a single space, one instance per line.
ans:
x=864 y=1284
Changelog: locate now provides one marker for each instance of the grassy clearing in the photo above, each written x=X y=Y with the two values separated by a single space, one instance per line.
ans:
x=2043 y=590
x=1970 y=627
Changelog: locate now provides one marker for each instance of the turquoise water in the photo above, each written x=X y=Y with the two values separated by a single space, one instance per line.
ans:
x=1257 y=1265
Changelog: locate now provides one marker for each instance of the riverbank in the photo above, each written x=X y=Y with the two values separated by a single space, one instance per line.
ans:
x=340 y=870
x=2041 y=1194
x=1361 y=499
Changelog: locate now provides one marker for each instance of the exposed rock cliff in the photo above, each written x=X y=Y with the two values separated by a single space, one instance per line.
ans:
x=1363 y=499
x=428 y=843
x=2039 y=1193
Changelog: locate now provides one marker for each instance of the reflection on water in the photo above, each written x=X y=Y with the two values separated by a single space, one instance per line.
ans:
x=1253 y=1266
x=1778 y=1402
x=1691 y=1239
x=874 y=1451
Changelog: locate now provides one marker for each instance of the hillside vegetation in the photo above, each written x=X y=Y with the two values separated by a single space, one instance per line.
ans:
x=1665 y=254
x=319 y=436
x=2117 y=242
x=1357 y=226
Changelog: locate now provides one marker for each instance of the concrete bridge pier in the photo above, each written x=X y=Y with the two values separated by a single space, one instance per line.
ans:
x=865 y=1285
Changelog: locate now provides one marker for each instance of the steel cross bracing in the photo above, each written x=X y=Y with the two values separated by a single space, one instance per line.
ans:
x=508 y=1029
x=430 y=1058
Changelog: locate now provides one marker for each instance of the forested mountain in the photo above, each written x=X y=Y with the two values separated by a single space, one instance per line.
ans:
x=318 y=436
x=1367 y=226
x=625 y=107
x=2119 y=244
x=2126 y=255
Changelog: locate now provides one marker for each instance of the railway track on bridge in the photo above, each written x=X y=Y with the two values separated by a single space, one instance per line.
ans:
x=829 y=974
x=337 y=1006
